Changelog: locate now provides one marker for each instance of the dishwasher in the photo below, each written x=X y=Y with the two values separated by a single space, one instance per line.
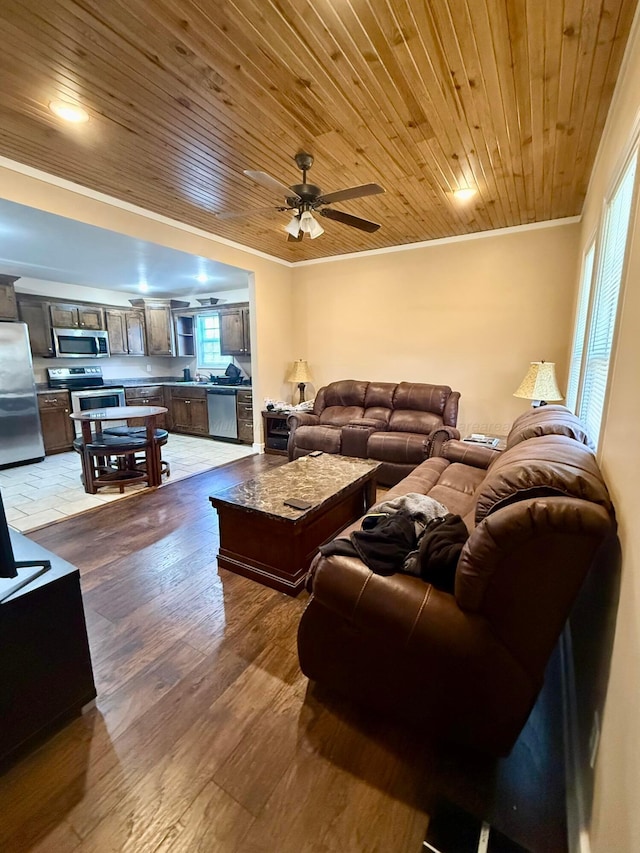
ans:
x=223 y=416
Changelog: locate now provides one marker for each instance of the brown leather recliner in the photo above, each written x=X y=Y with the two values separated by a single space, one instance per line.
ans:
x=468 y=666
x=392 y=423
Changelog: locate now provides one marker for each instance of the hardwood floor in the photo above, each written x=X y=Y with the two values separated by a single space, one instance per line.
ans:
x=205 y=736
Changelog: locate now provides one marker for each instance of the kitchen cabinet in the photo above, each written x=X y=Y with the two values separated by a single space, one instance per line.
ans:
x=36 y=315
x=146 y=395
x=244 y=404
x=57 y=427
x=189 y=410
x=66 y=316
x=126 y=332
x=235 y=338
x=8 y=303
x=159 y=323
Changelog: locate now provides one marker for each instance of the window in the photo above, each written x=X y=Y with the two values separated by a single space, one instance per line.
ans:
x=208 y=342
x=601 y=320
x=581 y=328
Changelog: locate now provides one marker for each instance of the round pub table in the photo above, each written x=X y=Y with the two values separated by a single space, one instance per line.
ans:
x=148 y=414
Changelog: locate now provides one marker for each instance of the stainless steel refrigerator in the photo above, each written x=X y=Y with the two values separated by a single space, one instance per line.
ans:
x=20 y=432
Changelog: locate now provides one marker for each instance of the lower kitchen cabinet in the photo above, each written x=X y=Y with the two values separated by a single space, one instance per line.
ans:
x=189 y=410
x=146 y=395
x=245 y=416
x=57 y=426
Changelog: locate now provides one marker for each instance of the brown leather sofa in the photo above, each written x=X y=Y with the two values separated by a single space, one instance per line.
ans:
x=395 y=424
x=468 y=666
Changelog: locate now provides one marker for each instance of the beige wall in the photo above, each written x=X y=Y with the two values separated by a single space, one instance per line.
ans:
x=471 y=314
x=269 y=291
x=615 y=824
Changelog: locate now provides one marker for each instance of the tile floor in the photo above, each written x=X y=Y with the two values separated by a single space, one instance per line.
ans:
x=45 y=492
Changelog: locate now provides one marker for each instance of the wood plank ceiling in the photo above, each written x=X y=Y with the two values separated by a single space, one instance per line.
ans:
x=420 y=96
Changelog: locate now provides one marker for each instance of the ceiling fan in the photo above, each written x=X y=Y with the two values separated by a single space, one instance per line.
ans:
x=304 y=199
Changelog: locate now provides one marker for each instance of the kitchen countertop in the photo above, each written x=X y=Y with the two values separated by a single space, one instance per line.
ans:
x=43 y=388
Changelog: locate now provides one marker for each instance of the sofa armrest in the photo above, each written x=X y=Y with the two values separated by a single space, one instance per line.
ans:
x=297 y=419
x=355 y=435
x=469 y=454
x=437 y=438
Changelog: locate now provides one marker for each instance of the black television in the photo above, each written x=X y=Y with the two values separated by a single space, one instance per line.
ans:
x=9 y=565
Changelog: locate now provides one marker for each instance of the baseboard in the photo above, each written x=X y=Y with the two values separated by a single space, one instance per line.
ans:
x=577 y=832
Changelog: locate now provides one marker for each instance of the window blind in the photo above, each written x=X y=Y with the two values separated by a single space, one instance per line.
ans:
x=580 y=329
x=605 y=304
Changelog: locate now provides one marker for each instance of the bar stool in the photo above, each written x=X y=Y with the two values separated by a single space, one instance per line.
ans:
x=110 y=460
x=161 y=437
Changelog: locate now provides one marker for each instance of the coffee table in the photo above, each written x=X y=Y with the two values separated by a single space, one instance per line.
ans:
x=274 y=544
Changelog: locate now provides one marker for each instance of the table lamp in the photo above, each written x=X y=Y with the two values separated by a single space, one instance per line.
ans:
x=300 y=374
x=539 y=384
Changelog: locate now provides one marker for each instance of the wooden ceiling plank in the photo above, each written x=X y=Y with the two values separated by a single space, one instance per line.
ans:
x=457 y=46
x=537 y=85
x=601 y=85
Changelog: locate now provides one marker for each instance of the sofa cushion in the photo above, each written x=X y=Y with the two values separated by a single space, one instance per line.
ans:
x=340 y=415
x=400 y=447
x=541 y=467
x=346 y=392
x=456 y=489
x=326 y=438
x=378 y=401
x=422 y=397
x=405 y=420
x=547 y=420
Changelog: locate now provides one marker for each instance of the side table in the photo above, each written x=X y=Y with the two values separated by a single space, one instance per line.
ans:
x=276 y=432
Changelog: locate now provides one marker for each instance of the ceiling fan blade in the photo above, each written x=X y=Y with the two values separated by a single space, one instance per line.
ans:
x=351 y=192
x=238 y=214
x=348 y=219
x=292 y=239
x=270 y=183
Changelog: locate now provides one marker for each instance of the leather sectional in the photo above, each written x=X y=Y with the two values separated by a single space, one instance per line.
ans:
x=469 y=665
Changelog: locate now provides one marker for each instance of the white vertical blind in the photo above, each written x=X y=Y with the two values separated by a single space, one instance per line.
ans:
x=605 y=304
x=580 y=329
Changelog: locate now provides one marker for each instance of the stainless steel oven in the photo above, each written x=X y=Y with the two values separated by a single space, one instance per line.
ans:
x=97 y=398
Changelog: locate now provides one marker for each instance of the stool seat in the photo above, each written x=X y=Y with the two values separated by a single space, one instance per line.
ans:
x=161 y=435
x=102 y=441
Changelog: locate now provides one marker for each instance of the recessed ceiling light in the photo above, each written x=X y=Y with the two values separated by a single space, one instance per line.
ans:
x=464 y=193
x=143 y=286
x=69 y=112
x=202 y=278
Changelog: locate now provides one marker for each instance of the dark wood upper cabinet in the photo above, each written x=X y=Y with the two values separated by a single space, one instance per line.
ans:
x=66 y=316
x=126 y=331
x=8 y=303
x=36 y=315
x=134 y=323
x=234 y=331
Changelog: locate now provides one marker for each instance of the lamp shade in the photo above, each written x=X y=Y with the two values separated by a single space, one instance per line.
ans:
x=540 y=382
x=299 y=372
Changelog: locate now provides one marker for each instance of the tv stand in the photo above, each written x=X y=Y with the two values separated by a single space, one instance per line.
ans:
x=45 y=666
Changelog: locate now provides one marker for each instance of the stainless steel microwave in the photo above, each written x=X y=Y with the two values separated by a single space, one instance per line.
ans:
x=80 y=343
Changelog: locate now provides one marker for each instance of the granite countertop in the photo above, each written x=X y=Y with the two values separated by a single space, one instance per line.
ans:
x=311 y=479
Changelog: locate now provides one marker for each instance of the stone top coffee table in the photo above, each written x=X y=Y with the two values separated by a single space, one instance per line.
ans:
x=267 y=541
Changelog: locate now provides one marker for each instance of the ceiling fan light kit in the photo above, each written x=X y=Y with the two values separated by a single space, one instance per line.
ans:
x=304 y=199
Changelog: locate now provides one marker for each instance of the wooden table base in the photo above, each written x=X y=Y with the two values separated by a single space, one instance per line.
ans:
x=277 y=551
